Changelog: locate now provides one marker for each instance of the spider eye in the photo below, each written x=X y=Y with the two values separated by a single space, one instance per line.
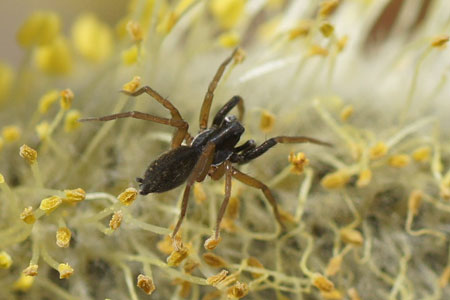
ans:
x=230 y=119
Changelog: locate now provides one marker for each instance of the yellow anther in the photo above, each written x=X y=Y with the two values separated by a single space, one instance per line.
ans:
x=229 y=39
x=65 y=271
x=298 y=161
x=24 y=283
x=346 y=112
x=334 y=265
x=378 y=150
x=317 y=50
x=238 y=290
x=2 y=178
x=132 y=85
x=135 y=31
x=211 y=243
x=227 y=12
x=199 y=193
x=166 y=244
x=328 y=7
x=27 y=215
x=66 y=99
x=255 y=263
x=267 y=121
x=5 y=260
x=130 y=55
x=11 y=133
x=128 y=196
x=302 y=29
x=146 y=284
x=40 y=28
x=327 y=29
x=47 y=100
x=365 y=176
x=50 y=204
x=63 y=236
x=92 y=38
x=178 y=255
x=6 y=80
x=71 y=122
x=43 y=130
x=399 y=160
x=31 y=270
x=322 y=283
x=55 y=58
x=74 y=196
x=341 y=43
x=439 y=41
x=116 y=220
x=335 y=180
x=214 y=260
x=422 y=154
x=216 y=279
x=28 y=153
x=351 y=236
x=189 y=266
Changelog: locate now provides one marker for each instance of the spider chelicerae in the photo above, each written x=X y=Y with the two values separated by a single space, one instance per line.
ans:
x=212 y=151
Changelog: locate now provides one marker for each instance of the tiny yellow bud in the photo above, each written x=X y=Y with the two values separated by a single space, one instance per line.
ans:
x=422 y=154
x=238 y=291
x=214 y=260
x=65 y=271
x=5 y=260
x=379 y=150
x=71 y=122
x=74 y=196
x=211 y=243
x=130 y=55
x=47 y=100
x=365 y=176
x=255 y=263
x=227 y=12
x=439 y=40
x=128 y=196
x=11 y=133
x=335 y=180
x=267 y=121
x=444 y=278
x=199 y=193
x=50 y=204
x=216 y=279
x=63 y=236
x=43 y=130
x=178 y=255
x=353 y=294
x=298 y=161
x=55 y=58
x=346 y=112
x=24 y=283
x=317 y=50
x=135 y=31
x=189 y=266
x=302 y=29
x=31 y=270
x=322 y=283
x=328 y=7
x=28 y=153
x=66 y=98
x=116 y=220
x=27 y=215
x=334 y=265
x=146 y=284
x=40 y=28
x=414 y=202
x=132 y=85
x=351 y=236
x=399 y=160
x=229 y=39
x=327 y=29
x=332 y=295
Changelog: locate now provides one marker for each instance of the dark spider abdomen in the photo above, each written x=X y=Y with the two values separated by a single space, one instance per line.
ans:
x=169 y=170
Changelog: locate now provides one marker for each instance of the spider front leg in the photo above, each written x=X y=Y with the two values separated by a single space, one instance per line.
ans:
x=220 y=116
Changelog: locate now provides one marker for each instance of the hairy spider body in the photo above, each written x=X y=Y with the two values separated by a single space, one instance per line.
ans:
x=211 y=152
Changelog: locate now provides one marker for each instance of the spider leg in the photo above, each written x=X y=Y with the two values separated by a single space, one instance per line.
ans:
x=223 y=207
x=261 y=149
x=181 y=132
x=203 y=163
x=206 y=106
x=220 y=116
x=253 y=182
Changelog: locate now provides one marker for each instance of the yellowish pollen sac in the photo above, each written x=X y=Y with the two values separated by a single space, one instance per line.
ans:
x=227 y=12
x=422 y=154
x=128 y=196
x=132 y=85
x=334 y=265
x=71 y=122
x=211 y=243
x=378 y=150
x=255 y=263
x=28 y=153
x=351 y=236
x=322 y=283
x=40 y=28
x=298 y=161
x=229 y=39
x=399 y=160
x=327 y=7
x=47 y=100
x=6 y=80
x=135 y=31
x=199 y=193
x=335 y=180
x=267 y=121
x=92 y=38
x=445 y=277
x=190 y=266
x=50 y=204
x=326 y=29
x=301 y=30
x=365 y=176
x=24 y=283
x=214 y=260
x=341 y=43
x=316 y=50
x=353 y=294
x=346 y=113
x=166 y=245
x=238 y=290
x=333 y=295
x=63 y=236
x=66 y=99
x=27 y=215
x=440 y=41
x=178 y=255
x=31 y=270
x=216 y=279
x=43 y=130
x=5 y=260
x=54 y=58
x=65 y=271
x=11 y=133
x=146 y=284
x=74 y=196
x=415 y=201
x=116 y=220
x=130 y=55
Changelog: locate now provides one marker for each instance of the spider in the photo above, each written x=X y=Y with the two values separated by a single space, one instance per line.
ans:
x=212 y=151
